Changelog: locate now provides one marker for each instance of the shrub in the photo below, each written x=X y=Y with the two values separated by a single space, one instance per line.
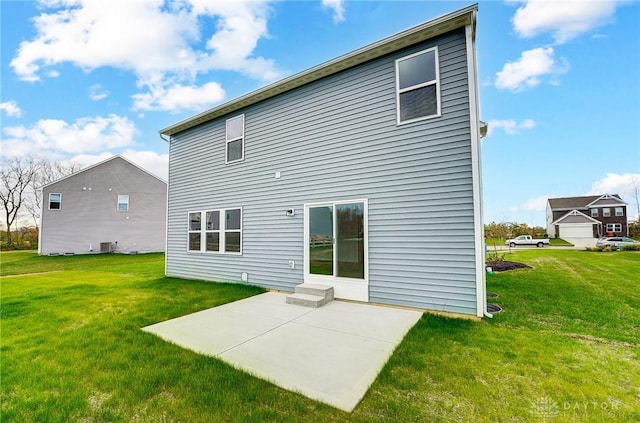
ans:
x=634 y=247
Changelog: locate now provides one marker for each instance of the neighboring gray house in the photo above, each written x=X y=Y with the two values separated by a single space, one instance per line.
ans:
x=590 y=216
x=362 y=173
x=113 y=206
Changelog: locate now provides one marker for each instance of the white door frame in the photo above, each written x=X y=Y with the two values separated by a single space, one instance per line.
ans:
x=346 y=288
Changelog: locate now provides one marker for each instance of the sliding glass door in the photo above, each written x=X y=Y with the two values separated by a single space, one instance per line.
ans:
x=336 y=242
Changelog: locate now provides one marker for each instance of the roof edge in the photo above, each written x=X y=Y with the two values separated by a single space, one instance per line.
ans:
x=578 y=212
x=101 y=163
x=427 y=30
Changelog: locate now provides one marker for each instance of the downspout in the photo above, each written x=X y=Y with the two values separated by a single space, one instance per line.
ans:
x=166 y=209
x=476 y=128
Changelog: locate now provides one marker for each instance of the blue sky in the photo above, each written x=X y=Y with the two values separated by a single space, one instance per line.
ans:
x=559 y=80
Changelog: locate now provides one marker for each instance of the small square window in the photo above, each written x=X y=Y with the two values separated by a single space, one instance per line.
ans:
x=619 y=211
x=594 y=212
x=123 y=203
x=55 y=201
x=606 y=212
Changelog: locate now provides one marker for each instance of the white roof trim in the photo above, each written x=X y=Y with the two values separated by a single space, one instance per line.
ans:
x=101 y=163
x=430 y=29
x=607 y=197
x=575 y=213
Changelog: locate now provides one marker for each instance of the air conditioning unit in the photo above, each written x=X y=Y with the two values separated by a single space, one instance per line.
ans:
x=105 y=247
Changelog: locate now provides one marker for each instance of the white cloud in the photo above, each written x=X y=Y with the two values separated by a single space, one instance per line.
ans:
x=152 y=162
x=626 y=185
x=179 y=97
x=97 y=93
x=615 y=183
x=51 y=137
x=163 y=43
x=533 y=204
x=510 y=126
x=564 y=20
x=338 y=9
x=527 y=71
x=11 y=108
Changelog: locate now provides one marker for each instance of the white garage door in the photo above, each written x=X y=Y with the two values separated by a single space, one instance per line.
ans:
x=576 y=231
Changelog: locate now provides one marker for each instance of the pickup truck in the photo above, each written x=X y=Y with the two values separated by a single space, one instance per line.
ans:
x=526 y=240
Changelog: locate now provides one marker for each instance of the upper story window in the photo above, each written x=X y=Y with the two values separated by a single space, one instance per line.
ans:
x=55 y=201
x=594 y=212
x=606 y=212
x=418 y=86
x=619 y=211
x=123 y=202
x=234 y=149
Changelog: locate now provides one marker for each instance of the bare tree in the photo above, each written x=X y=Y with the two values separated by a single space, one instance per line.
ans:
x=47 y=172
x=635 y=185
x=15 y=176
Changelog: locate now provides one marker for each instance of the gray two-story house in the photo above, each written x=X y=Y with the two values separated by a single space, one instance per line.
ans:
x=112 y=206
x=362 y=173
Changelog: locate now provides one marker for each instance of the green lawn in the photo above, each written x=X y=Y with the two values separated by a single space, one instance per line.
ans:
x=566 y=348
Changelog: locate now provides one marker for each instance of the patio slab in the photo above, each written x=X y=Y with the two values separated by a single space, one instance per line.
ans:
x=331 y=354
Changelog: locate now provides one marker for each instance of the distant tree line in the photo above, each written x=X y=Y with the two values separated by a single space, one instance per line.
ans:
x=21 y=182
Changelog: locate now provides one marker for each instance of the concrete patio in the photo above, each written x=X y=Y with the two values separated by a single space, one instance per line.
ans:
x=331 y=354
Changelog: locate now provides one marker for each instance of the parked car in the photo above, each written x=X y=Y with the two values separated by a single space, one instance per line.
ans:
x=615 y=242
x=526 y=240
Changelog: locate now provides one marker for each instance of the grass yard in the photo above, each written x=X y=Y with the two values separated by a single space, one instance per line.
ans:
x=566 y=348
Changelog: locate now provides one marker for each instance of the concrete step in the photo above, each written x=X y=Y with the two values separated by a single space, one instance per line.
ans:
x=307 y=300
x=323 y=291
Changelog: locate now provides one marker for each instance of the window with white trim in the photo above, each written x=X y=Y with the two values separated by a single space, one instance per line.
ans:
x=233 y=231
x=123 y=202
x=234 y=149
x=418 y=86
x=594 y=212
x=220 y=233
x=195 y=231
x=55 y=201
x=619 y=211
x=212 y=230
x=606 y=212
x=614 y=227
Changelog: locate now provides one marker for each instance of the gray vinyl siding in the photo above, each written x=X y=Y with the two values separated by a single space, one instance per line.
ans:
x=337 y=139
x=89 y=215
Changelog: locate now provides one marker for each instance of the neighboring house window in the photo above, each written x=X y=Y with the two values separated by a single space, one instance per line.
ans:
x=210 y=237
x=55 y=201
x=123 y=203
x=418 y=86
x=594 y=212
x=619 y=211
x=614 y=227
x=235 y=139
x=606 y=212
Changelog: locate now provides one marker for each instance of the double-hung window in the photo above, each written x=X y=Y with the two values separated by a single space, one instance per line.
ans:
x=234 y=148
x=212 y=230
x=418 y=86
x=606 y=212
x=220 y=233
x=55 y=201
x=123 y=202
x=594 y=212
x=619 y=212
x=614 y=227
x=195 y=231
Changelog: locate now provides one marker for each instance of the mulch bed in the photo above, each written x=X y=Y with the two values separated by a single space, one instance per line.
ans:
x=502 y=266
